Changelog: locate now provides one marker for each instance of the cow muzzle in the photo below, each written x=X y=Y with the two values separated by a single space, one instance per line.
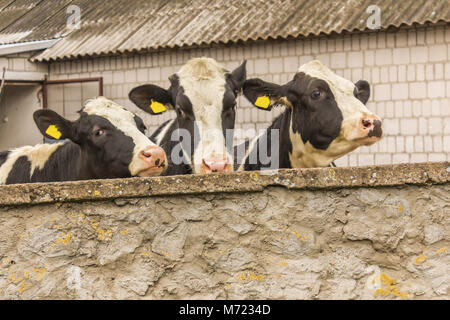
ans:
x=215 y=165
x=155 y=161
x=370 y=129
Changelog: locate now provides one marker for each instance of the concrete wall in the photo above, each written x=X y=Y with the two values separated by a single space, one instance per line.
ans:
x=346 y=233
x=408 y=69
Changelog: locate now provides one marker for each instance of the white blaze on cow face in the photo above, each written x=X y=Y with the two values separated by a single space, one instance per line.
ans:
x=203 y=81
x=354 y=131
x=124 y=121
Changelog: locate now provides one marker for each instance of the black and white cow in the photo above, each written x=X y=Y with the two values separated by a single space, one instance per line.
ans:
x=204 y=96
x=106 y=141
x=325 y=118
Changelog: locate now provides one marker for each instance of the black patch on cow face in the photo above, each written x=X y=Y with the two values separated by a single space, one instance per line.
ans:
x=3 y=157
x=140 y=124
x=315 y=113
x=362 y=91
x=106 y=151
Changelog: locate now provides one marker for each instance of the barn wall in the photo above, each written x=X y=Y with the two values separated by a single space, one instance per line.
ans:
x=408 y=69
x=346 y=233
x=18 y=103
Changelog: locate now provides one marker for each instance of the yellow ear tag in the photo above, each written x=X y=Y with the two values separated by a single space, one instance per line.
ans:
x=263 y=102
x=157 y=107
x=53 y=132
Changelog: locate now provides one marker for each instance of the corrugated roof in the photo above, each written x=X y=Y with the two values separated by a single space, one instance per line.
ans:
x=117 y=26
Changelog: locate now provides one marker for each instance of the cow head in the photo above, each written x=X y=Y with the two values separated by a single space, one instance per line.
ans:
x=112 y=140
x=203 y=94
x=328 y=113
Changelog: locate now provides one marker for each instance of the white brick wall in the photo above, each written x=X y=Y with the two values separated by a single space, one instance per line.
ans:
x=408 y=70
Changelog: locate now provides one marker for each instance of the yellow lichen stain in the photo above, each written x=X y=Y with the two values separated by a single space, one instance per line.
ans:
x=65 y=238
x=81 y=218
x=53 y=219
x=332 y=173
x=22 y=287
x=145 y=254
x=166 y=254
x=254 y=175
x=101 y=233
x=57 y=226
x=441 y=250
x=284 y=263
x=250 y=276
x=298 y=235
x=392 y=287
x=124 y=232
x=420 y=259
x=400 y=209
x=228 y=286
x=96 y=193
x=39 y=273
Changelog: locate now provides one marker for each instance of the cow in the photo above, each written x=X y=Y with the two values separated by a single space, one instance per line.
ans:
x=106 y=141
x=203 y=94
x=325 y=118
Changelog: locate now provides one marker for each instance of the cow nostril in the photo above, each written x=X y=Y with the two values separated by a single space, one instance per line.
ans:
x=146 y=154
x=157 y=162
x=366 y=123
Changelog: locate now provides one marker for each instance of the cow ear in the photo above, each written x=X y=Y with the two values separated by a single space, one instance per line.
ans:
x=237 y=77
x=152 y=99
x=52 y=125
x=362 y=91
x=263 y=95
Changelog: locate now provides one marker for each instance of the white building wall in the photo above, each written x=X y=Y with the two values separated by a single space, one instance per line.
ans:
x=408 y=70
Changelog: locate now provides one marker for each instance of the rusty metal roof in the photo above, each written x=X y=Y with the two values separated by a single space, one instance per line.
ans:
x=119 y=26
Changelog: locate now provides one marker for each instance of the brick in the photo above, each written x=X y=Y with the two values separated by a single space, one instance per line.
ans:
x=383 y=57
x=429 y=72
x=400 y=142
x=409 y=145
x=365 y=159
x=400 y=158
x=382 y=92
x=436 y=89
x=426 y=108
x=411 y=73
x=391 y=126
x=338 y=60
x=383 y=158
x=400 y=55
x=291 y=64
x=435 y=108
x=435 y=125
x=142 y=75
x=375 y=75
x=398 y=109
x=447 y=70
x=419 y=54
x=437 y=144
x=324 y=58
x=369 y=58
x=423 y=126
x=408 y=126
x=118 y=77
x=305 y=59
x=438 y=71
x=130 y=76
x=446 y=144
x=436 y=157
x=384 y=74
x=261 y=66
x=389 y=109
x=417 y=90
x=355 y=59
x=402 y=73
x=393 y=74
x=420 y=75
x=419 y=157
x=342 y=161
x=401 y=38
x=407 y=109
x=418 y=143
x=400 y=91
x=154 y=74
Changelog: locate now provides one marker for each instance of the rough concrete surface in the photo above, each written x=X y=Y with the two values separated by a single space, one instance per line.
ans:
x=343 y=233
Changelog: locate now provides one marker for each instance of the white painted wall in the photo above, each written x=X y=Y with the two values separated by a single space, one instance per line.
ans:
x=17 y=127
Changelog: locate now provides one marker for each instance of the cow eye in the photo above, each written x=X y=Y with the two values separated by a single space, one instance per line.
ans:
x=316 y=94
x=99 y=133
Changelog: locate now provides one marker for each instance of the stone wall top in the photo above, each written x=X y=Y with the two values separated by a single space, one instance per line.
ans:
x=316 y=178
